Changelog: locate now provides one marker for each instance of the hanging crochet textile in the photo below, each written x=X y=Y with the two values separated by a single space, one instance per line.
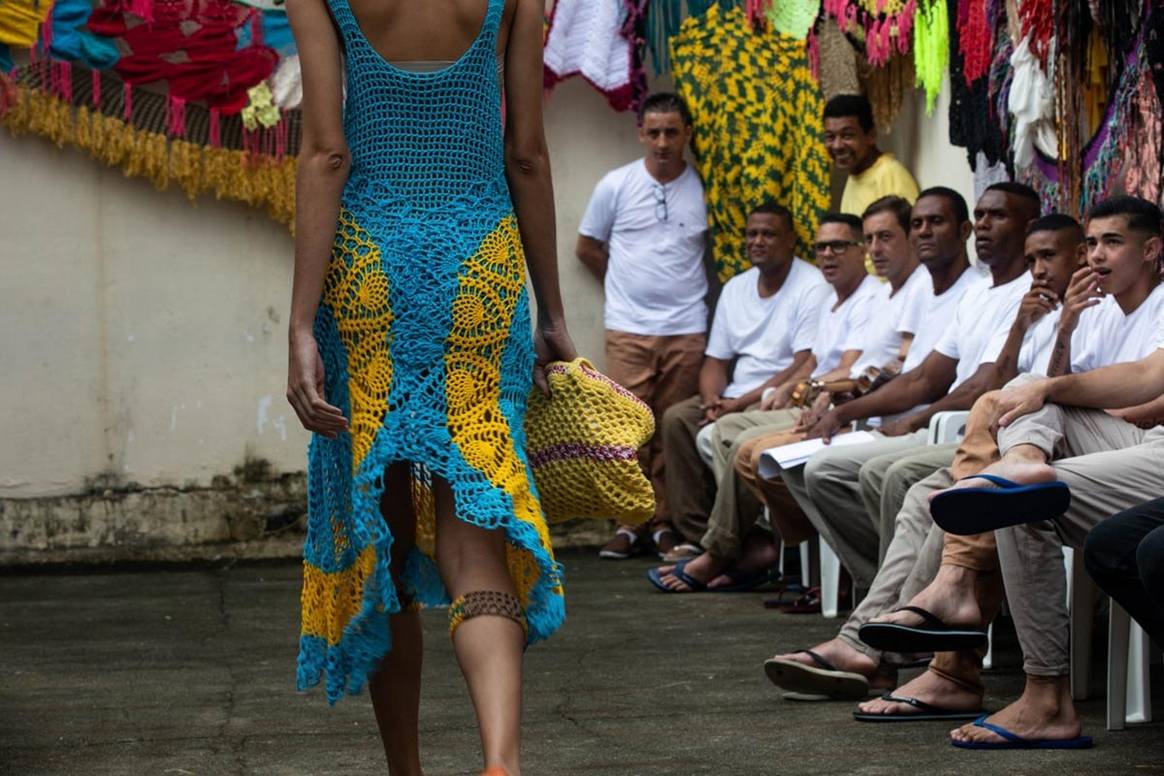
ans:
x=931 y=48
x=426 y=339
x=201 y=61
x=979 y=119
x=757 y=115
x=589 y=38
x=886 y=25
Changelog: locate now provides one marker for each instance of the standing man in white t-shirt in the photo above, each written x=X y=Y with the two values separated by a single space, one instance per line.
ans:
x=643 y=235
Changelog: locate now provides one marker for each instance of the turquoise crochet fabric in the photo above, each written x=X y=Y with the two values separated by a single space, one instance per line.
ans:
x=424 y=329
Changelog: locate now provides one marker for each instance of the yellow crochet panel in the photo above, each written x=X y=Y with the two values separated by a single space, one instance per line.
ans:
x=490 y=285
x=356 y=287
x=330 y=600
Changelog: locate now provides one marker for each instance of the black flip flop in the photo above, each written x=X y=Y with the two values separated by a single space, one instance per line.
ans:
x=926 y=712
x=967 y=511
x=933 y=636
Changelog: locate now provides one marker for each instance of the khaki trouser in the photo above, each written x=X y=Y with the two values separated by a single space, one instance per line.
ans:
x=829 y=485
x=910 y=563
x=977 y=451
x=1110 y=466
x=886 y=479
x=736 y=508
x=787 y=518
x=660 y=371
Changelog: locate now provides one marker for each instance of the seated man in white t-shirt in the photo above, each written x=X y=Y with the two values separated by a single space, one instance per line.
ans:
x=958 y=371
x=1112 y=309
x=1053 y=249
x=842 y=322
x=643 y=236
x=765 y=321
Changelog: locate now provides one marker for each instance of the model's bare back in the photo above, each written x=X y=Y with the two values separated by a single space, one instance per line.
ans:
x=410 y=30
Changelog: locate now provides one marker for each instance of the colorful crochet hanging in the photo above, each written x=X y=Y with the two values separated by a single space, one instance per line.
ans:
x=887 y=25
x=158 y=88
x=977 y=122
x=931 y=48
x=757 y=116
x=592 y=39
x=1072 y=189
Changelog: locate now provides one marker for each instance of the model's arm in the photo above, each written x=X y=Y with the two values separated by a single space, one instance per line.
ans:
x=594 y=255
x=324 y=163
x=1036 y=304
x=527 y=167
x=1119 y=385
x=1083 y=292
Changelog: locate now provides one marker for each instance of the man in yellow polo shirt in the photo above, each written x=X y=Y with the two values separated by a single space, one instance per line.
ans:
x=851 y=140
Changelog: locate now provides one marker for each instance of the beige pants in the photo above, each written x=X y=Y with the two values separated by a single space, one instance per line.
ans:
x=1110 y=466
x=736 y=508
x=661 y=371
x=828 y=489
x=885 y=481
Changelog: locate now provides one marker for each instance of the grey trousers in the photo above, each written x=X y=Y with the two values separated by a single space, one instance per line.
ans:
x=736 y=508
x=887 y=478
x=828 y=489
x=1110 y=466
x=911 y=561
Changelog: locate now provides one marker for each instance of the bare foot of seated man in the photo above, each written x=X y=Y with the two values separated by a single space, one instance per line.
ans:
x=760 y=554
x=1045 y=712
x=939 y=693
x=952 y=596
x=841 y=657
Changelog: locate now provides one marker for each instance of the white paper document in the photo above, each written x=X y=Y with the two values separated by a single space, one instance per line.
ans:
x=790 y=456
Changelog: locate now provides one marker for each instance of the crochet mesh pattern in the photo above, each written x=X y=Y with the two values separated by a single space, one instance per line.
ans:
x=424 y=330
x=583 y=440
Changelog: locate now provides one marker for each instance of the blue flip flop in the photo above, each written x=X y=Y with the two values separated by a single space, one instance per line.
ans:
x=1015 y=741
x=657 y=579
x=967 y=511
x=747 y=581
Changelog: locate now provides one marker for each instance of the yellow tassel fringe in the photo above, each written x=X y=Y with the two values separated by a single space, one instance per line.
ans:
x=258 y=181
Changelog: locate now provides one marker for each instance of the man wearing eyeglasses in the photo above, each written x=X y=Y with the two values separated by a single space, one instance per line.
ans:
x=643 y=236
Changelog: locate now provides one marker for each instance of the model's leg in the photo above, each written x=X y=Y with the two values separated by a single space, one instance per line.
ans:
x=395 y=686
x=487 y=628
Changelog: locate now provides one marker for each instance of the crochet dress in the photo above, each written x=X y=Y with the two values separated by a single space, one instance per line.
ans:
x=424 y=330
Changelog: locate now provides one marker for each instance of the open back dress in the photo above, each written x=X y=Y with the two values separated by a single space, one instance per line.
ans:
x=425 y=334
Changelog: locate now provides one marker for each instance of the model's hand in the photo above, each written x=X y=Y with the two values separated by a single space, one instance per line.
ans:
x=827 y=427
x=728 y=406
x=1021 y=400
x=711 y=410
x=305 y=388
x=813 y=414
x=551 y=343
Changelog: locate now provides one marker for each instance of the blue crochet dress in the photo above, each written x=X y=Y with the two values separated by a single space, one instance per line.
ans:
x=424 y=329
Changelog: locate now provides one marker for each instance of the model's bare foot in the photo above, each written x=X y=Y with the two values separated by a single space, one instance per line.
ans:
x=760 y=554
x=1024 y=464
x=703 y=568
x=929 y=688
x=1044 y=711
x=951 y=597
x=844 y=658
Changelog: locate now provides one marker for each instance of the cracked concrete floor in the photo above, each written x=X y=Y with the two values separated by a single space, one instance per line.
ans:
x=192 y=671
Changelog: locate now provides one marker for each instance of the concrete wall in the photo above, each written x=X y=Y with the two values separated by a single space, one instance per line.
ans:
x=142 y=339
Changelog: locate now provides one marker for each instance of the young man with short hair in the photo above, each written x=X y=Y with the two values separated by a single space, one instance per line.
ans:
x=643 y=236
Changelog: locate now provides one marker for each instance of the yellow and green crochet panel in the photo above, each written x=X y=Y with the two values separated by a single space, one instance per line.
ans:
x=757 y=111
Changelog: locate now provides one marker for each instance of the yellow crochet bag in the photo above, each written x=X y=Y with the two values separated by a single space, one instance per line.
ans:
x=581 y=441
